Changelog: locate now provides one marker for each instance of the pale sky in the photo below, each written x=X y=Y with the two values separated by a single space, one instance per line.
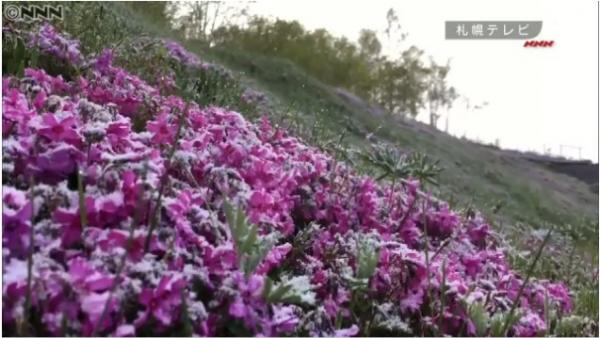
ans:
x=538 y=98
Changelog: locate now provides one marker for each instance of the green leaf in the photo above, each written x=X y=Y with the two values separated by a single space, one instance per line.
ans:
x=81 y=194
x=240 y=220
x=255 y=255
x=250 y=240
x=279 y=293
x=394 y=324
x=496 y=325
x=20 y=68
x=480 y=318
x=187 y=330
x=33 y=61
x=267 y=287
x=19 y=50
x=502 y=322
x=297 y=290
x=250 y=248
x=229 y=214
x=368 y=257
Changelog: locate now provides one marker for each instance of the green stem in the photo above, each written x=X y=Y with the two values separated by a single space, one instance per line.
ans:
x=427 y=266
x=157 y=204
x=391 y=197
x=121 y=264
x=30 y=253
x=382 y=176
x=443 y=290
x=571 y=254
x=522 y=288
x=82 y=209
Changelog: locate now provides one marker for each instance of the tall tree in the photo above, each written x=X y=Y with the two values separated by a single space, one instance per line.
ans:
x=439 y=94
x=401 y=86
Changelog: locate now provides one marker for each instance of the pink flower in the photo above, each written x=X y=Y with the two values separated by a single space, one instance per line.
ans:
x=179 y=53
x=478 y=231
x=559 y=292
x=93 y=305
x=87 y=278
x=274 y=258
x=48 y=83
x=15 y=112
x=348 y=332
x=284 y=319
x=412 y=301
x=109 y=210
x=71 y=225
x=163 y=303
x=15 y=225
x=530 y=325
x=40 y=99
x=261 y=200
x=237 y=309
x=104 y=61
x=473 y=264
x=48 y=40
x=163 y=131
x=125 y=330
x=63 y=130
x=120 y=239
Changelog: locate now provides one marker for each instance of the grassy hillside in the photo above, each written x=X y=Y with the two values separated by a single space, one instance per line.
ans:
x=507 y=189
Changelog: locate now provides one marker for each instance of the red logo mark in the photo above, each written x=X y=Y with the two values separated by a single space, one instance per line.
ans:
x=539 y=43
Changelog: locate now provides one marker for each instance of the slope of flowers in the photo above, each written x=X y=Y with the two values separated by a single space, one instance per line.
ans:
x=143 y=246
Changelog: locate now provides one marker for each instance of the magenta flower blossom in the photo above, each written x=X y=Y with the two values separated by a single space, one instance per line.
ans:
x=125 y=330
x=284 y=319
x=238 y=309
x=48 y=40
x=163 y=302
x=103 y=62
x=85 y=277
x=16 y=112
x=274 y=258
x=347 y=332
x=71 y=228
x=15 y=224
x=164 y=132
x=57 y=164
x=180 y=54
x=530 y=325
x=59 y=130
x=50 y=84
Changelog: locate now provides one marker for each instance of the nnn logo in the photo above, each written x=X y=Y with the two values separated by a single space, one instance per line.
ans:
x=31 y=12
x=539 y=43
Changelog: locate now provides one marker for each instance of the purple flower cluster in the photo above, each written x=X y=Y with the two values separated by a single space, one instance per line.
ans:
x=179 y=53
x=48 y=40
x=254 y=97
x=99 y=268
x=124 y=91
